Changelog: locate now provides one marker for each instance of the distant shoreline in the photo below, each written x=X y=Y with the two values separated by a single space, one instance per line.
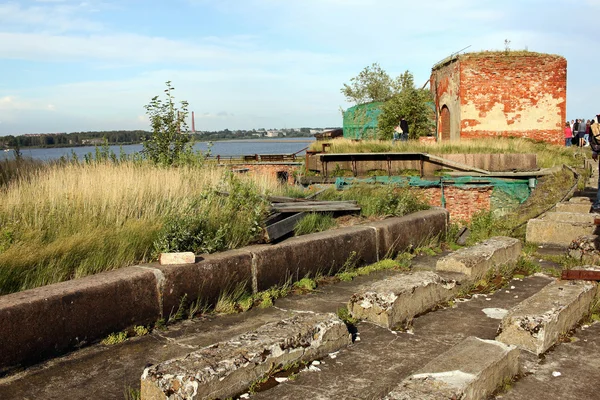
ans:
x=294 y=139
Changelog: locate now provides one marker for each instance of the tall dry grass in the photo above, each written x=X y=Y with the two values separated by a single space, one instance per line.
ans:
x=548 y=155
x=71 y=220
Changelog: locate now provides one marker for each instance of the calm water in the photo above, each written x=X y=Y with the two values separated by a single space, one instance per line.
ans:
x=224 y=148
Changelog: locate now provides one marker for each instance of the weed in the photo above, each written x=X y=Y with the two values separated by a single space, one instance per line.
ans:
x=305 y=284
x=140 y=330
x=229 y=299
x=345 y=316
x=180 y=313
x=198 y=306
x=115 y=338
x=314 y=222
x=132 y=393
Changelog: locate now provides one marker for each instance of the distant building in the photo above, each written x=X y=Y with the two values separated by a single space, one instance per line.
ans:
x=490 y=94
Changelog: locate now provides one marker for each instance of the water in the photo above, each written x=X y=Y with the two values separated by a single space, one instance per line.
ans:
x=222 y=148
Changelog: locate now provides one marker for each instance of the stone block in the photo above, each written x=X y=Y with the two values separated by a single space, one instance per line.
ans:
x=477 y=260
x=43 y=322
x=570 y=217
x=537 y=323
x=323 y=252
x=228 y=368
x=206 y=280
x=471 y=370
x=391 y=302
x=177 y=258
x=573 y=207
x=400 y=233
x=581 y=200
x=557 y=233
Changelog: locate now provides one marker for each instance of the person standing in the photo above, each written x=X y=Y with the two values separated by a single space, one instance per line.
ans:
x=595 y=131
x=404 y=127
x=568 y=134
x=581 y=130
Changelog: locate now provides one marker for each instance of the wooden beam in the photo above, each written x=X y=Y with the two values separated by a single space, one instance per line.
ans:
x=580 y=274
x=283 y=227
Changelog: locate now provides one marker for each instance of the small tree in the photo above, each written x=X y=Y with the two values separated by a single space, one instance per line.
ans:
x=371 y=84
x=412 y=104
x=170 y=137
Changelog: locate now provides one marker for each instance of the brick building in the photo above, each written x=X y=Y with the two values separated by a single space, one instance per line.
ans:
x=515 y=93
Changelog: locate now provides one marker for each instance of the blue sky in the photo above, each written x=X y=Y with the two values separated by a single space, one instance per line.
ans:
x=242 y=64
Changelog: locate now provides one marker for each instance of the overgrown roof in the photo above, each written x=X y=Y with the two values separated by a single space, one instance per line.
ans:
x=491 y=53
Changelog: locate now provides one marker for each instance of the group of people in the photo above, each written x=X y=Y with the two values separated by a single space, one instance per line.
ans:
x=578 y=131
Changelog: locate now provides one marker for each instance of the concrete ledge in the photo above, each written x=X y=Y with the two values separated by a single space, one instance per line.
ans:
x=206 y=279
x=397 y=234
x=323 y=252
x=477 y=260
x=536 y=323
x=43 y=322
x=471 y=370
x=570 y=217
x=62 y=316
x=573 y=207
x=393 y=301
x=557 y=233
x=228 y=368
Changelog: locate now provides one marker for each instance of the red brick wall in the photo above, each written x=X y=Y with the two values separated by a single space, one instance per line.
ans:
x=461 y=203
x=519 y=94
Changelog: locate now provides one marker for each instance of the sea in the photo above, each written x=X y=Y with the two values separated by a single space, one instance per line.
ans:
x=222 y=148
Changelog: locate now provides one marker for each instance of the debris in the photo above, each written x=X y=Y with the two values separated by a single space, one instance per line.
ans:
x=556 y=374
x=495 y=313
x=280 y=380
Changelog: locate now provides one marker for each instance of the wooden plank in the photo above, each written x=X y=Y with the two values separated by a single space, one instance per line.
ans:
x=282 y=228
x=579 y=274
x=300 y=207
x=455 y=164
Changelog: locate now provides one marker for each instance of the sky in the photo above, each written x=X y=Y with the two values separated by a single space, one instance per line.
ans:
x=70 y=65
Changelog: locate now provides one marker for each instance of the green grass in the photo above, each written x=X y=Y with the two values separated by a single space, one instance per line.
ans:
x=314 y=222
x=379 y=200
x=547 y=155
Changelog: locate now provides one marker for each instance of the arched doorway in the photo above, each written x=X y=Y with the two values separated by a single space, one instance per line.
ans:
x=445 y=122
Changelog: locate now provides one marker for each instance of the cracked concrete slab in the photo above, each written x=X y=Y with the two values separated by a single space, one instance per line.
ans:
x=228 y=368
x=392 y=302
x=537 y=323
x=471 y=370
x=476 y=261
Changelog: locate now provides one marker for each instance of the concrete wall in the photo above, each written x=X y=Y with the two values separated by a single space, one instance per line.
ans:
x=506 y=94
x=40 y=323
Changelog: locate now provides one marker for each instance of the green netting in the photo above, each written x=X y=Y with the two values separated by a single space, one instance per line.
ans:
x=506 y=194
x=360 y=122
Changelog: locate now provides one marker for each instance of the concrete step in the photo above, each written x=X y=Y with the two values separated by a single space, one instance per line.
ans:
x=571 y=217
x=537 y=323
x=229 y=368
x=558 y=233
x=471 y=370
x=572 y=207
x=477 y=260
x=392 y=302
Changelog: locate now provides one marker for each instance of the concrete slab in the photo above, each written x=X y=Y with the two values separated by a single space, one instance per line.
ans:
x=471 y=370
x=476 y=261
x=323 y=252
x=392 y=302
x=206 y=279
x=369 y=368
x=49 y=320
x=557 y=233
x=581 y=200
x=568 y=372
x=228 y=368
x=537 y=323
x=587 y=218
x=413 y=230
x=572 y=207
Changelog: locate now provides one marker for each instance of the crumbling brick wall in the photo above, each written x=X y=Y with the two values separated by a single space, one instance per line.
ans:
x=462 y=203
x=519 y=94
